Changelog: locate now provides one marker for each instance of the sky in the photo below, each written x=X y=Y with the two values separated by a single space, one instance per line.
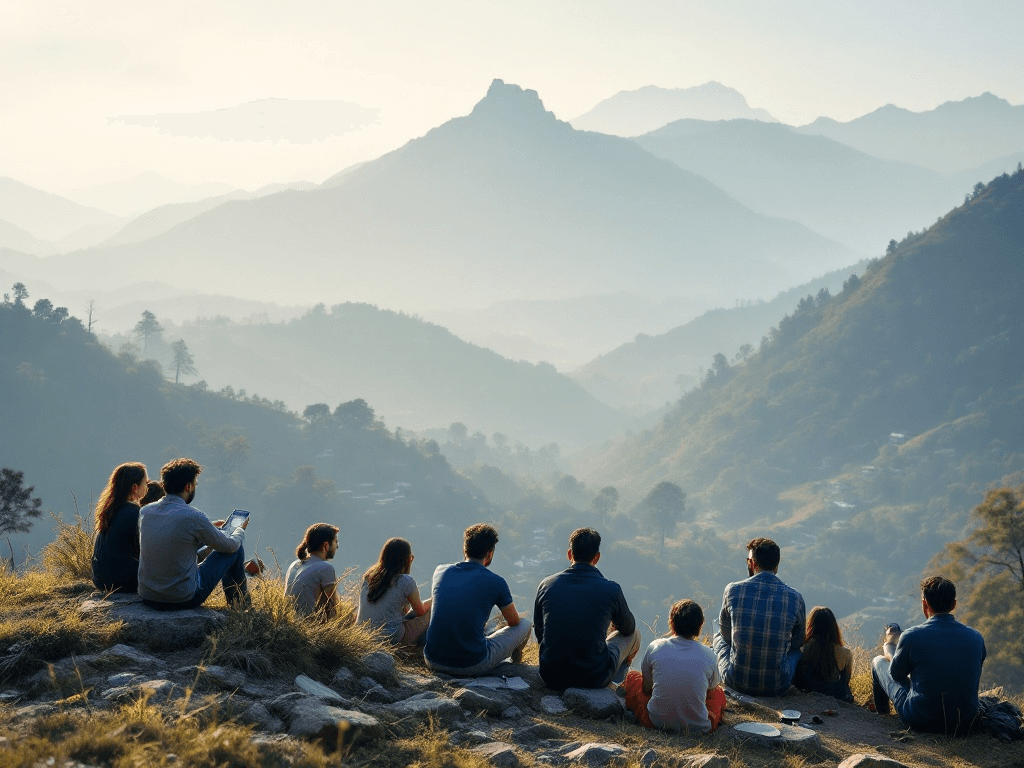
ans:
x=251 y=93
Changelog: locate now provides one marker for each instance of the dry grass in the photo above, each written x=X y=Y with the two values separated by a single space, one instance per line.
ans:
x=270 y=637
x=140 y=734
x=69 y=556
x=39 y=618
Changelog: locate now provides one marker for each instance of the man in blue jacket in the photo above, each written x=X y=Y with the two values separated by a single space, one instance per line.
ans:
x=931 y=675
x=573 y=613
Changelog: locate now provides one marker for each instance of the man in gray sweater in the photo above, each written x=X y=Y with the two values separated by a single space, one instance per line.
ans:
x=171 y=532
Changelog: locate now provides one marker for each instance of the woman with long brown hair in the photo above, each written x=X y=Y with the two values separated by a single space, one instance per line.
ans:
x=388 y=590
x=115 y=550
x=826 y=664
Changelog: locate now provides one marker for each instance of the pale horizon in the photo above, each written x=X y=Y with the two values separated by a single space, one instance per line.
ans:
x=85 y=83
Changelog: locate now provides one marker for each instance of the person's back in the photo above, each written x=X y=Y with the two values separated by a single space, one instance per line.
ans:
x=462 y=596
x=761 y=627
x=115 y=555
x=573 y=612
x=942 y=659
x=932 y=674
x=305 y=581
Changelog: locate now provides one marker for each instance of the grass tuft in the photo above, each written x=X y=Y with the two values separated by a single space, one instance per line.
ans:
x=270 y=637
x=69 y=556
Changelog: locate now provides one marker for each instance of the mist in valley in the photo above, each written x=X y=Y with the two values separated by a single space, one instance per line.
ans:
x=686 y=305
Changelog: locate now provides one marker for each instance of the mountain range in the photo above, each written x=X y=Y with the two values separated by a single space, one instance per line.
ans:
x=935 y=138
x=506 y=202
x=631 y=113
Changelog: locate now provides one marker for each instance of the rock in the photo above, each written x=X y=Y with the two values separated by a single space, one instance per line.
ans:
x=124 y=678
x=260 y=716
x=378 y=694
x=704 y=761
x=380 y=665
x=793 y=735
x=126 y=655
x=345 y=679
x=157 y=630
x=594 y=703
x=596 y=754
x=512 y=713
x=312 y=719
x=445 y=711
x=497 y=753
x=10 y=697
x=552 y=705
x=225 y=678
x=157 y=687
x=472 y=738
x=864 y=760
x=497 y=683
x=149 y=689
x=282 y=705
x=477 y=702
x=321 y=691
x=648 y=759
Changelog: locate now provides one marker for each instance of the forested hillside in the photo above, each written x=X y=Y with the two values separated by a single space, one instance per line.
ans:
x=419 y=375
x=71 y=410
x=868 y=424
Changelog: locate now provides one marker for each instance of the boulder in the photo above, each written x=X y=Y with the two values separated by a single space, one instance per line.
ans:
x=259 y=716
x=380 y=665
x=552 y=705
x=593 y=703
x=537 y=732
x=596 y=754
x=478 y=702
x=864 y=760
x=470 y=738
x=313 y=719
x=319 y=690
x=497 y=753
x=156 y=630
x=346 y=680
x=225 y=678
x=444 y=710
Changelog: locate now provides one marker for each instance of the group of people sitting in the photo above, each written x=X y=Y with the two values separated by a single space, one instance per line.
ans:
x=583 y=625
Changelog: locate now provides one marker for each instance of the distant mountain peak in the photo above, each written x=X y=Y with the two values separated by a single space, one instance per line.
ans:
x=507 y=100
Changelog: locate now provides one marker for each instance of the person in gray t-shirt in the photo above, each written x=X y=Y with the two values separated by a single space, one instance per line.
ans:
x=311 y=580
x=388 y=591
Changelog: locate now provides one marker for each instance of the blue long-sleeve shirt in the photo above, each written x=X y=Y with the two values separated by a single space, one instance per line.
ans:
x=941 y=659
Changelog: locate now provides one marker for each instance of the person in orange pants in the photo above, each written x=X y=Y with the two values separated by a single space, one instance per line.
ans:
x=679 y=685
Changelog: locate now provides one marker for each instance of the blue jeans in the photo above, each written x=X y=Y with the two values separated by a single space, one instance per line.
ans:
x=224 y=568
x=723 y=650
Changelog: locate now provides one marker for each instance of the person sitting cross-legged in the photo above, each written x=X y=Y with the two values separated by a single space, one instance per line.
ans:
x=171 y=531
x=931 y=672
x=311 y=579
x=678 y=686
x=587 y=634
x=761 y=626
x=462 y=596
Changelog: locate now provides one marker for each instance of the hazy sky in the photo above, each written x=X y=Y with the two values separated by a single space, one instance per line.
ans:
x=94 y=91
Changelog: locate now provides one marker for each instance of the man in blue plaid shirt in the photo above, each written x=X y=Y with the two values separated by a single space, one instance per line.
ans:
x=761 y=627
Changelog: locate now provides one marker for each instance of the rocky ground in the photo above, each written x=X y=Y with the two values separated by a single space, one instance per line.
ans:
x=377 y=709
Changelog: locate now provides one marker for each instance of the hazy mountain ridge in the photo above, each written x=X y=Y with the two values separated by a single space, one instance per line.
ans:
x=502 y=203
x=652 y=371
x=631 y=113
x=417 y=375
x=934 y=138
x=827 y=186
x=54 y=222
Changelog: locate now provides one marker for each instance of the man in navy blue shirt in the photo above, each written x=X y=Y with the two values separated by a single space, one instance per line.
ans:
x=463 y=595
x=574 y=611
x=932 y=675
